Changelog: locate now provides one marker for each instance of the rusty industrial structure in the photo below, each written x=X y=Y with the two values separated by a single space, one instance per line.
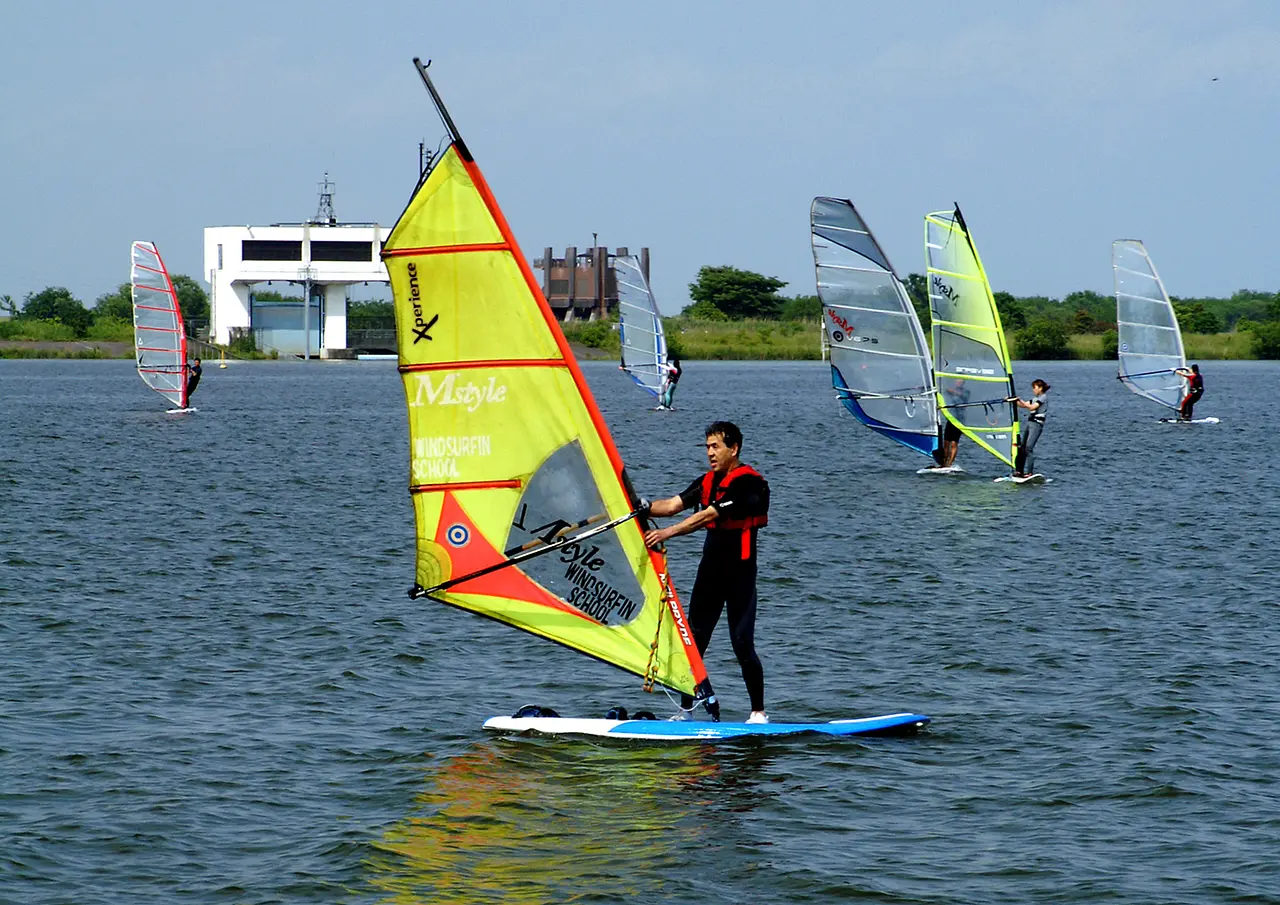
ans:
x=582 y=286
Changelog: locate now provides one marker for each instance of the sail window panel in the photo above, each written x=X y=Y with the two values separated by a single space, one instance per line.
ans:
x=471 y=306
x=871 y=331
x=857 y=248
x=595 y=577
x=154 y=309
x=865 y=371
x=157 y=339
x=915 y=415
x=1166 y=389
x=1147 y=340
x=1138 y=284
x=149 y=279
x=960 y=354
x=946 y=249
x=858 y=289
x=1154 y=312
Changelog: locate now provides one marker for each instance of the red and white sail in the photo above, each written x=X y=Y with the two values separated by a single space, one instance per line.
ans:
x=158 y=336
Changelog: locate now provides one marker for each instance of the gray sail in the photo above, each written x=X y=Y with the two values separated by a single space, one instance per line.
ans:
x=880 y=365
x=1150 y=343
x=644 y=345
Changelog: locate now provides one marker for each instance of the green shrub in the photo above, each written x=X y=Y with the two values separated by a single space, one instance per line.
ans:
x=1266 y=339
x=1041 y=339
x=704 y=311
x=36 y=330
x=1111 y=345
x=111 y=329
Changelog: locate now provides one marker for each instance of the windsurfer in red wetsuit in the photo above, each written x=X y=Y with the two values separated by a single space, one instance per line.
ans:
x=1195 y=389
x=732 y=502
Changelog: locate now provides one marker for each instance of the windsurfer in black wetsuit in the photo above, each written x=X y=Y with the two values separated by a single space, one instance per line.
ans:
x=193 y=378
x=732 y=502
x=945 y=454
x=674 y=371
x=1195 y=389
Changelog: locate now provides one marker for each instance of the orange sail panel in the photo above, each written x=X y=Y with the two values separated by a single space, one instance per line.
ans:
x=508 y=450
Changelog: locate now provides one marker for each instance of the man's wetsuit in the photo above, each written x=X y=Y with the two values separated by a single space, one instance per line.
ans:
x=727 y=572
x=193 y=380
x=1195 y=389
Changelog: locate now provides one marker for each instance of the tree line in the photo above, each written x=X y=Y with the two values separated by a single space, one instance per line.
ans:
x=55 y=313
x=1041 y=325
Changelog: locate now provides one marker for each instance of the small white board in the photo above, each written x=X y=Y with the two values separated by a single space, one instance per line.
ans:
x=182 y=411
x=703 y=730
x=664 y=408
x=1192 y=421
x=1029 y=479
x=935 y=469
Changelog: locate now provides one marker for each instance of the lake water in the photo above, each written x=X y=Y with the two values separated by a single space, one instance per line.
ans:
x=213 y=687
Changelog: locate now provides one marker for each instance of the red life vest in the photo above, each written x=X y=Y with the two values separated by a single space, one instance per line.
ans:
x=743 y=525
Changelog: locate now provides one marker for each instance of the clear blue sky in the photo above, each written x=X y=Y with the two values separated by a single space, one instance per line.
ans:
x=702 y=130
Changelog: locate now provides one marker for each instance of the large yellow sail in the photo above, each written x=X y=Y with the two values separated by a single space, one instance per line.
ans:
x=509 y=455
x=971 y=364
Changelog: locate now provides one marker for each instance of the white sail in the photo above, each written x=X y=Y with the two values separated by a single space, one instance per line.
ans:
x=644 y=345
x=880 y=363
x=159 y=340
x=1150 y=343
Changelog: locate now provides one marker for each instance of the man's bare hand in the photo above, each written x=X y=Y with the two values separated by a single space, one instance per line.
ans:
x=655 y=537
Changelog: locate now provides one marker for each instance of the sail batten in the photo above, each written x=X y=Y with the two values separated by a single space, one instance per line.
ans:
x=880 y=366
x=970 y=356
x=1147 y=327
x=509 y=451
x=159 y=340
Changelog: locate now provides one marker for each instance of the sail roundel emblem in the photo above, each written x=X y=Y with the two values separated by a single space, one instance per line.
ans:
x=1124 y=347
x=458 y=535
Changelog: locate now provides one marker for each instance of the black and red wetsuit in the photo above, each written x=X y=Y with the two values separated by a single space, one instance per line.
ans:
x=1195 y=389
x=727 y=573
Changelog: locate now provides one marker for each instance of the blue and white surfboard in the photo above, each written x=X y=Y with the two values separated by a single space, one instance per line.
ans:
x=704 y=730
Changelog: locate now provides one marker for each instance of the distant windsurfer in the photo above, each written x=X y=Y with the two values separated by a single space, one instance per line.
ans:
x=732 y=502
x=1195 y=389
x=669 y=382
x=193 y=378
x=1037 y=408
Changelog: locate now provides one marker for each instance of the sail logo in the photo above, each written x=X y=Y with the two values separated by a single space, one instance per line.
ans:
x=984 y=372
x=946 y=290
x=452 y=391
x=846 y=330
x=420 y=326
x=458 y=535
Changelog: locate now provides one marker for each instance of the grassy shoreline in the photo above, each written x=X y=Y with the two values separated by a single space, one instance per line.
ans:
x=747 y=340
x=762 y=340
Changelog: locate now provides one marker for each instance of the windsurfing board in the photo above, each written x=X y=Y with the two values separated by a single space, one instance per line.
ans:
x=703 y=730
x=1029 y=479
x=934 y=469
x=1191 y=421
x=182 y=411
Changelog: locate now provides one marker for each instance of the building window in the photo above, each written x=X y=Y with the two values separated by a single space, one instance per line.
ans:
x=219 y=255
x=341 y=251
x=268 y=250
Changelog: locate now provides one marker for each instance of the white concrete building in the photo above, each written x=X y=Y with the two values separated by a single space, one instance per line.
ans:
x=323 y=259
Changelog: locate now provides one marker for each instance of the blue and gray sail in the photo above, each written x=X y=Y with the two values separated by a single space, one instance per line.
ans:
x=644 y=345
x=880 y=364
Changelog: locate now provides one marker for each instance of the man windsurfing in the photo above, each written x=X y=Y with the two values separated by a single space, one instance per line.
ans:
x=1195 y=389
x=674 y=371
x=193 y=378
x=732 y=502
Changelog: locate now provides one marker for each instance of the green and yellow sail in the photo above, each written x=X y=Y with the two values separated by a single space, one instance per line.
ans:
x=971 y=364
x=509 y=451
